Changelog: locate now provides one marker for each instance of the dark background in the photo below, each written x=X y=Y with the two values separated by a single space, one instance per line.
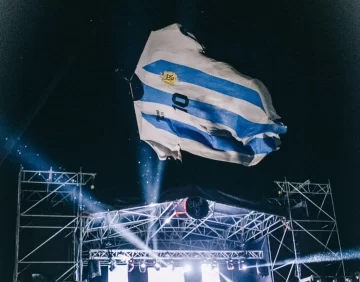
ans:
x=62 y=95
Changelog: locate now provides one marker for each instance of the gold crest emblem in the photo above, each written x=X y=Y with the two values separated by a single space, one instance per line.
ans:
x=169 y=77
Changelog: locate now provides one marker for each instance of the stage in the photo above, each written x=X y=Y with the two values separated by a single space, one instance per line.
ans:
x=194 y=234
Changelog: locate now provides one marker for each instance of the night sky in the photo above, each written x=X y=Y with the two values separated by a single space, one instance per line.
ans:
x=62 y=94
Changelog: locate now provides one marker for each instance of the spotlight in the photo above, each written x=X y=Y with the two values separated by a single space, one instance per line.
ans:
x=168 y=220
x=112 y=265
x=131 y=265
x=171 y=265
x=142 y=267
x=92 y=187
x=242 y=265
x=214 y=265
x=230 y=265
x=205 y=265
x=187 y=268
x=157 y=266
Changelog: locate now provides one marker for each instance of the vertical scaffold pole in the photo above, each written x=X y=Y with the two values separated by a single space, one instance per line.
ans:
x=297 y=265
x=81 y=231
x=17 y=232
x=337 y=231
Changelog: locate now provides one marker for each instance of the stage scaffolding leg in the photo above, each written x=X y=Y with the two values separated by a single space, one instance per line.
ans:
x=74 y=274
x=17 y=232
x=296 y=262
x=81 y=232
x=270 y=259
x=337 y=233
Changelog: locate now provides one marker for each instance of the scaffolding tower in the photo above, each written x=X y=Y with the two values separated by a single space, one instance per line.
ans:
x=60 y=226
x=50 y=223
x=309 y=242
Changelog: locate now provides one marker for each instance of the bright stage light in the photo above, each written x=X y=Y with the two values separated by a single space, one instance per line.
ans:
x=187 y=268
x=166 y=274
x=168 y=220
x=157 y=266
x=142 y=267
x=209 y=273
x=242 y=265
x=214 y=265
x=120 y=273
x=230 y=265
x=171 y=266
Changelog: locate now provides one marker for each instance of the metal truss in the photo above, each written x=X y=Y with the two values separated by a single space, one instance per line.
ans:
x=308 y=234
x=172 y=255
x=54 y=213
x=49 y=221
x=166 y=226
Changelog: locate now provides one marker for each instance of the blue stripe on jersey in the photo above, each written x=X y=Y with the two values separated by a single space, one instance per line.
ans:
x=240 y=125
x=219 y=143
x=200 y=78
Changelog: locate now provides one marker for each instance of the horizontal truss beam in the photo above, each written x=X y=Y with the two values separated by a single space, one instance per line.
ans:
x=123 y=255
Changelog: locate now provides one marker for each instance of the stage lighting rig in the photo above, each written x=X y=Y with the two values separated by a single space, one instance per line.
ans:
x=157 y=266
x=142 y=267
x=230 y=265
x=187 y=268
x=112 y=265
x=214 y=265
x=131 y=265
x=171 y=265
x=242 y=265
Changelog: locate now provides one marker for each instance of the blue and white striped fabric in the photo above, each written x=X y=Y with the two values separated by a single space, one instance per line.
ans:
x=201 y=106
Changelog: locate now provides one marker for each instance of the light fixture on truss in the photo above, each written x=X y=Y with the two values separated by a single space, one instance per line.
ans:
x=142 y=267
x=242 y=265
x=171 y=265
x=187 y=268
x=214 y=265
x=131 y=265
x=157 y=266
x=112 y=265
x=230 y=264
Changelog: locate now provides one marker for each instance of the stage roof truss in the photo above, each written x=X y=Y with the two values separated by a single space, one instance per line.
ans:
x=87 y=229
x=172 y=255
